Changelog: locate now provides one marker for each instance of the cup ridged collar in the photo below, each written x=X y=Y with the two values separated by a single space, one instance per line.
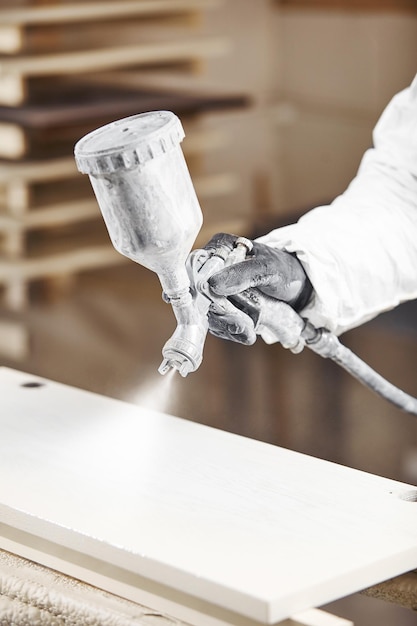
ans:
x=128 y=143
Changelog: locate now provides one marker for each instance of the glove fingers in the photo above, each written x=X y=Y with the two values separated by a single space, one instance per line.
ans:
x=221 y=239
x=278 y=277
x=250 y=302
x=236 y=278
x=221 y=244
x=236 y=327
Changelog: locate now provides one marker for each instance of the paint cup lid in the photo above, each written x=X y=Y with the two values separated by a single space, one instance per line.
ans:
x=128 y=143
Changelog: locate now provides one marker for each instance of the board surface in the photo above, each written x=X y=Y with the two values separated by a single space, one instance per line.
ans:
x=259 y=531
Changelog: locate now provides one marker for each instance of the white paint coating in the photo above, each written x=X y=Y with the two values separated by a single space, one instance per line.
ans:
x=259 y=530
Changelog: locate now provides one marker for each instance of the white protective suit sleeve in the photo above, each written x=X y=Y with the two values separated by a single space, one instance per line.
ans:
x=360 y=252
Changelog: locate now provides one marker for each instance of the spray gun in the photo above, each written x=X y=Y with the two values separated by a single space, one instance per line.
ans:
x=145 y=193
x=144 y=190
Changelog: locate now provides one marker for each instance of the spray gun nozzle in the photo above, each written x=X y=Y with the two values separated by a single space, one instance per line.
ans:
x=184 y=367
x=165 y=367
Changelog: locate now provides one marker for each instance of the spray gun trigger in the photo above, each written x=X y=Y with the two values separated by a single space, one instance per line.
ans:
x=216 y=302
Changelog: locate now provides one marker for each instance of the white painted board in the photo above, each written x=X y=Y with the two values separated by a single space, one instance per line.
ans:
x=228 y=523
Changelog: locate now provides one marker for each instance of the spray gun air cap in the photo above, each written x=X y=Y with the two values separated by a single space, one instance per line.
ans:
x=128 y=143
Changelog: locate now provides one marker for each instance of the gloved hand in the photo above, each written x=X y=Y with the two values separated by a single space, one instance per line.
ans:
x=273 y=272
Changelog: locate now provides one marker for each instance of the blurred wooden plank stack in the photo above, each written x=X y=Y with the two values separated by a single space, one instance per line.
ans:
x=59 y=69
x=59 y=39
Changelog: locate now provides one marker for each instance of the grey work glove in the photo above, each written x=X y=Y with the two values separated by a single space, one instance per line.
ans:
x=275 y=273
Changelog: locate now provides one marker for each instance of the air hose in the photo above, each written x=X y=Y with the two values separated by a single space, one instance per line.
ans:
x=278 y=321
x=328 y=345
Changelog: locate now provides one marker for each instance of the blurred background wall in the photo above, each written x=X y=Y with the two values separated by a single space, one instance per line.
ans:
x=278 y=100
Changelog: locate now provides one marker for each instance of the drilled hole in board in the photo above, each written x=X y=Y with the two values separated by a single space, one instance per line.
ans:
x=32 y=385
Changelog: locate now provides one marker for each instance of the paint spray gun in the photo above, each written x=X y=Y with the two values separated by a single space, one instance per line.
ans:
x=145 y=193
x=144 y=190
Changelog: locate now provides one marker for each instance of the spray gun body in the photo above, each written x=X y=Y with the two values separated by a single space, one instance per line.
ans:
x=190 y=334
x=184 y=350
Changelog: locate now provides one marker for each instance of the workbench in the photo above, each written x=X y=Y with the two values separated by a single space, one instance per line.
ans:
x=176 y=521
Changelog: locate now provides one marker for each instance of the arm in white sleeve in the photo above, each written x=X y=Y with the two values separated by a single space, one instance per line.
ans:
x=360 y=252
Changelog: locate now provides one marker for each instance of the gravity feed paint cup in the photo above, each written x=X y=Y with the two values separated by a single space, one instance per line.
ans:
x=145 y=193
